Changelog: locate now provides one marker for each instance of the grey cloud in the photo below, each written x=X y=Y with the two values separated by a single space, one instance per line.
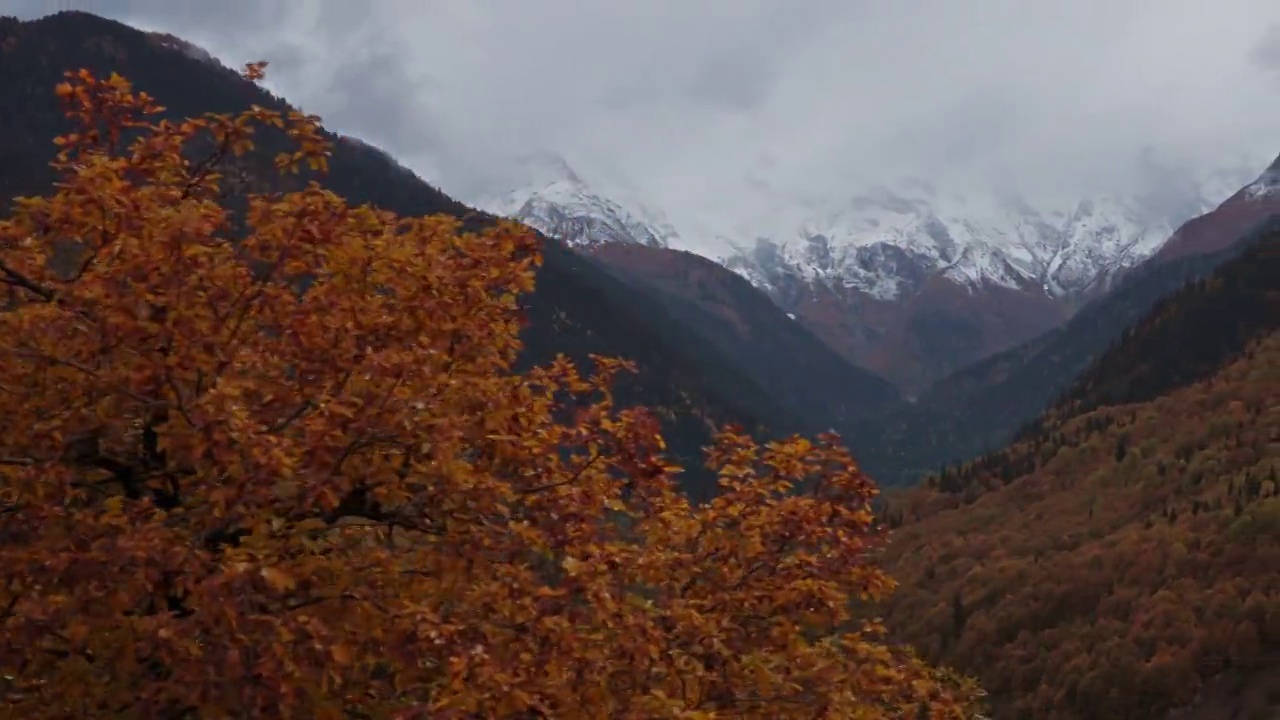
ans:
x=689 y=98
x=359 y=90
x=1266 y=53
x=735 y=82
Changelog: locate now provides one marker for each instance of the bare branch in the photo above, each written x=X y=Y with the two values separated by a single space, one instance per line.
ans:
x=291 y=418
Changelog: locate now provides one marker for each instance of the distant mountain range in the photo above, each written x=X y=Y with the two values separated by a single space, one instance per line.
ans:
x=980 y=404
x=908 y=279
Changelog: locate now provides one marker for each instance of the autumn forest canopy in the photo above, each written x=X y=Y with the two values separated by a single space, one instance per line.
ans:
x=265 y=453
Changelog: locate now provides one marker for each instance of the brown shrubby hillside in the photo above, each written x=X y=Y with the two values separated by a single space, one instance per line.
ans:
x=1122 y=560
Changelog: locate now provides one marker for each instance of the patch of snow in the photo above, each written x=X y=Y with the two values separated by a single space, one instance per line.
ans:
x=1268 y=183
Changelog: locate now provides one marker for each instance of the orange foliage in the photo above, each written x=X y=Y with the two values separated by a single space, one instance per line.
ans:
x=266 y=456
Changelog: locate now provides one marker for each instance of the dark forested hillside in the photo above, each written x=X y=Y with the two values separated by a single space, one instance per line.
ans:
x=1120 y=560
x=984 y=406
x=578 y=308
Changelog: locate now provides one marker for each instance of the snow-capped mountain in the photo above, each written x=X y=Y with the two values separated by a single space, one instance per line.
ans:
x=908 y=279
x=553 y=198
x=884 y=241
x=890 y=240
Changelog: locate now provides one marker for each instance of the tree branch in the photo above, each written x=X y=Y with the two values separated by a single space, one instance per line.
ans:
x=17 y=461
x=298 y=412
x=9 y=276
x=562 y=483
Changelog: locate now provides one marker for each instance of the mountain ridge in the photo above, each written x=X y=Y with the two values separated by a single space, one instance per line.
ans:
x=990 y=236
x=890 y=253
x=1233 y=216
x=789 y=359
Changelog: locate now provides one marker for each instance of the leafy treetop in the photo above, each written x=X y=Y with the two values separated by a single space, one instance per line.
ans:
x=264 y=454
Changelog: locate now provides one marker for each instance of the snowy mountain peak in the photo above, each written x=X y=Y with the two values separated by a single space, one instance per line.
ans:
x=557 y=201
x=886 y=240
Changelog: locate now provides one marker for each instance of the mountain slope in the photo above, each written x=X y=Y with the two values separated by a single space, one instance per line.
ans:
x=1186 y=336
x=1120 y=561
x=983 y=406
x=1248 y=206
x=907 y=279
x=579 y=307
x=791 y=363
x=787 y=360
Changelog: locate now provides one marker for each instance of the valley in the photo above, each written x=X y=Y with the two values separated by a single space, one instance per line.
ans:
x=419 y=486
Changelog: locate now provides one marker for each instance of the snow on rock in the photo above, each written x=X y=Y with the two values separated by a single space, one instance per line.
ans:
x=885 y=241
x=1268 y=182
x=558 y=202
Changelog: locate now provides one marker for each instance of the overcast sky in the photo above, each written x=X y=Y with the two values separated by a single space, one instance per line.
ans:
x=690 y=96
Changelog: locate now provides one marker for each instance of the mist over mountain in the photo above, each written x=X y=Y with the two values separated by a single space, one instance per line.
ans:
x=911 y=279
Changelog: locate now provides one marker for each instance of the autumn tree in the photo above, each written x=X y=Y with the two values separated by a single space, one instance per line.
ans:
x=265 y=455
